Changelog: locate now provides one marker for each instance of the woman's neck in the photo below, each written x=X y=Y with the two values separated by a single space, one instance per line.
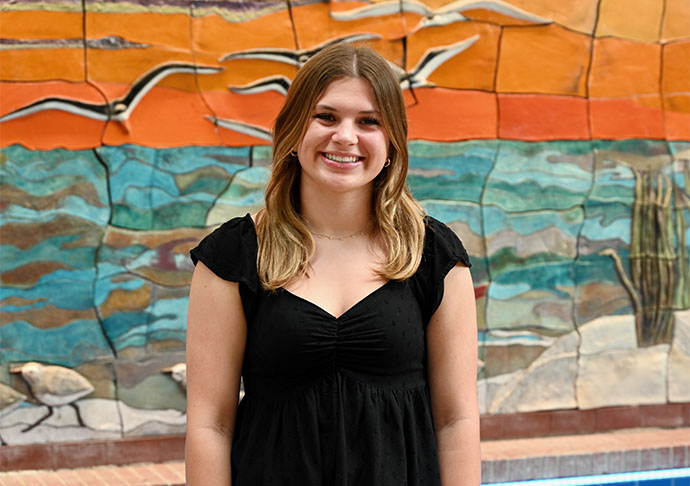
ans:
x=336 y=214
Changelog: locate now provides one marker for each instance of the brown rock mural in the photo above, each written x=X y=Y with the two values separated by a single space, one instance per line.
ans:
x=554 y=138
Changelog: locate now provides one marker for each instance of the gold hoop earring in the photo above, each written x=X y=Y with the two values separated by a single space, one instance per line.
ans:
x=293 y=152
x=388 y=162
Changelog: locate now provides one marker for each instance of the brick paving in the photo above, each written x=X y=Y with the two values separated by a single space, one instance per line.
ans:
x=503 y=460
x=165 y=474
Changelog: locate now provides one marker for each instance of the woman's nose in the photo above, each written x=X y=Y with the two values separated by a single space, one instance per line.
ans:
x=345 y=133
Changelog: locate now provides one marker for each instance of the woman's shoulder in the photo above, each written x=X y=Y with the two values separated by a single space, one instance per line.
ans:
x=442 y=245
x=230 y=250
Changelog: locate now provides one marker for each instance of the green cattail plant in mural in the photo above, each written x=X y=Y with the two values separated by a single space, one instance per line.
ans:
x=658 y=282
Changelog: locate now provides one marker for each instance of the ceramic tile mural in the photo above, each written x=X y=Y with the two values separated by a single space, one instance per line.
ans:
x=553 y=137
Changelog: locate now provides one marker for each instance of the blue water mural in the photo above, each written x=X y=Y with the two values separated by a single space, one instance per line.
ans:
x=95 y=268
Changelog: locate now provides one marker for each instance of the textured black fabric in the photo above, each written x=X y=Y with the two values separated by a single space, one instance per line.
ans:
x=334 y=401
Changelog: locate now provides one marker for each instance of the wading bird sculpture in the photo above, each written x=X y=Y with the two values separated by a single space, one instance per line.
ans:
x=54 y=386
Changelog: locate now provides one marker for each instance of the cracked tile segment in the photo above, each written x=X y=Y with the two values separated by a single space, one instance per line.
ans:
x=97 y=254
x=192 y=49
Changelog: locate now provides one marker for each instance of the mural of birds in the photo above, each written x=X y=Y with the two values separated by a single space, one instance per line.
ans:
x=435 y=17
x=119 y=109
x=278 y=83
x=54 y=386
x=429 y=62
x=241 y=127
x=295 y=57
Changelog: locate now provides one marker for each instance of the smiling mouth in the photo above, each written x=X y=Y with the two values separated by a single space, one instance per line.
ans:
x=342 y=159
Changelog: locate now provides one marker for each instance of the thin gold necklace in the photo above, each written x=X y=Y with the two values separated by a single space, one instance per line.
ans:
x=338 y=238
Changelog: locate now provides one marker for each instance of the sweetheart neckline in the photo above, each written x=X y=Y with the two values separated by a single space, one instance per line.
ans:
x=348 y=310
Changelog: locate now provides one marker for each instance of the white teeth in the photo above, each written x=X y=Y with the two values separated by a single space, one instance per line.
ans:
x=338 y=158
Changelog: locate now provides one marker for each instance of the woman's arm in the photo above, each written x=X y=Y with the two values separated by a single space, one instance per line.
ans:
x=216 y=336
x=452 y=354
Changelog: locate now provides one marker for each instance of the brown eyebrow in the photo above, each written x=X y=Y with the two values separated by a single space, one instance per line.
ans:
x=330 y=108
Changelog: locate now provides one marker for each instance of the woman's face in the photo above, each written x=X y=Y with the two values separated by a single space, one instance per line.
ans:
x=345 y=143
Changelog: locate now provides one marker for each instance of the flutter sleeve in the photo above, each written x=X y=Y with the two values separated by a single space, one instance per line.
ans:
x=442 y=251
x=230 y=252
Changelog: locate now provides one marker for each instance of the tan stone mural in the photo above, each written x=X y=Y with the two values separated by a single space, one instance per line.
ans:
x=553 y=137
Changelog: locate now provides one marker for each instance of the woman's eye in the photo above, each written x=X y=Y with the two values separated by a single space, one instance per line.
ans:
x=370 y=121
x=325 y=116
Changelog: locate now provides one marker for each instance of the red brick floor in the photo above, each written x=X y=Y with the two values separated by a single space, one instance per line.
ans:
x=166 y=474
x=503 y=460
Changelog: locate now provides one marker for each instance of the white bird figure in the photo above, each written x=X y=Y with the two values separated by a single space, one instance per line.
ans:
x=119 y=109
x=54 y=386
x=241 y=127
x=295 y=57
x=178 y=373
x=278 y=83
x=434 y=17
x=429 y=62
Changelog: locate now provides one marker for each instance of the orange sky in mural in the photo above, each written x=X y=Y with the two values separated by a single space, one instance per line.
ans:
x=630 y=19
x=447 y=115
x=543 y=59
x=677 y=117
x=156 y=29
x=529 y=117
x=52 y=129
x=42 y=64
x=41 y=24
x=676 y=20
x=541 y=71
x=675 y=77
x=624 y=68
x=632 y=117
x=473 y=68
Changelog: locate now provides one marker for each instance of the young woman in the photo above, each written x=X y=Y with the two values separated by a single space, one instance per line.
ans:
x=349 y=314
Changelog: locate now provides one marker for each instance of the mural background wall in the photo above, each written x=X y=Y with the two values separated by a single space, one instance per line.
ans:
x=553 y=137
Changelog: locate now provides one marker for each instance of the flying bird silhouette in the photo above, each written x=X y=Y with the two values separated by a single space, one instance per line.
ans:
x=54 y=386
x=429 y=62
x=434 y=17
x=119 y=109
x=241 y=127
x=278 y=83
x=295 y=57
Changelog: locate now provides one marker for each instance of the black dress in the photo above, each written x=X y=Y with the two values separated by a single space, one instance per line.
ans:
x=334 y=401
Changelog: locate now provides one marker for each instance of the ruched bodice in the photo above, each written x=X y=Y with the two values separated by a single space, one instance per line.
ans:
x=334 y=401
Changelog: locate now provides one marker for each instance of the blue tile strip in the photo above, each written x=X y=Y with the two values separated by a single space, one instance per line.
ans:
x=642 y=478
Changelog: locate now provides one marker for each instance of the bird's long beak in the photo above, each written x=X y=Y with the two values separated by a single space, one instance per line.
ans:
x=16 y=369
x=167 y=370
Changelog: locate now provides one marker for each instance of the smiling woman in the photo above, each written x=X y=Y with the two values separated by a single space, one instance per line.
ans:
x=348 y=313
x=345 y=145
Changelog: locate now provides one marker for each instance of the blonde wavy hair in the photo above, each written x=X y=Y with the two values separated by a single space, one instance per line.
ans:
x=285 y=244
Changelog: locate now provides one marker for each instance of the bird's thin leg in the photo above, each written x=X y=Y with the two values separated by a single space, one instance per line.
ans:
x=81 y=422
x=50 y=412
